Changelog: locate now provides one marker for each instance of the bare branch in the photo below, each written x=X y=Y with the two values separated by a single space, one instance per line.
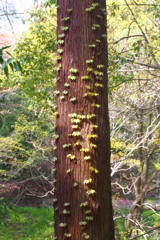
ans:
x=131 y=36
x=145 y=233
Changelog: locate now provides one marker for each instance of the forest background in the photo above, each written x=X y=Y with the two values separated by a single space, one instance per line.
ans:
x=27 y=112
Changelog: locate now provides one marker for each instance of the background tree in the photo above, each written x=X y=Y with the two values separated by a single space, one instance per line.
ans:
x=134 y=104
x=83 y=208
x=27 y=108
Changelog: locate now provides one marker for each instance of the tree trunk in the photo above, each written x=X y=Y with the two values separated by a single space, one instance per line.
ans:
x=83 y=207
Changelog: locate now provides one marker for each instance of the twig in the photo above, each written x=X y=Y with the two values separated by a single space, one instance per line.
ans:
x=138 y=35
x=145 y=233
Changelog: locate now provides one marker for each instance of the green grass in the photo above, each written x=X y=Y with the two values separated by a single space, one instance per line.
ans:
x=26 y=223
x=30 y=223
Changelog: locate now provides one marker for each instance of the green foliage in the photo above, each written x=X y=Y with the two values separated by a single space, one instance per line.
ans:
x=7 y=122
x=62 y=97
x=66 y=19
x=92 y=45
x=100 y=66
x=98 y=73
x=60 y=51
x=67 y=85
x=73 y=115
x=57 y=92
x=38 y=49
x=85 y=236
x=71 y=156
x=90 y=116
x=96 y=4
x=75 y=126
x=61 y=42
x=83 y=223
x=76 y=134
x=66 y=204
x=24 y=135
x=67 y=145
x=93 y=145
x=88 y=87
x=85 y=78
x=93 y=6
x=99 y=85
x=89 y=61
x=95 y=26
x=87 y=181
x=68 y=171
x=87 y=158
x=26 y=223
x=66 y=212
x=9 y=63
x=89 y=218
x=89 y=69
x=75 y=120
x=74 y=99
x=67 y=235
x=84 y=204
x=50 y=3
x=96 y=105
x=65 y=92
x=92 y=136
x=61 y=35
x=94 y=126
x=89 y=9
x=73 y=70
x=94 y=170
x=13 y=156
x=99 y=16
x=77 y=144
x=84 y=150
x=139 y=47
x=72 y=78
x=63 y=225
x=69 y=10
x=63 y=28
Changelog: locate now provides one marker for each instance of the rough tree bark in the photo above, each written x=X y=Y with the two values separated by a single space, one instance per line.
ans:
x=83 y=207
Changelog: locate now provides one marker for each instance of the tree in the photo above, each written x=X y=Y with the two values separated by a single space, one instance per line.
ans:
x=27 y=108
x=83 y=208
x=25 y=149
x=135 y=151
x=134 y=104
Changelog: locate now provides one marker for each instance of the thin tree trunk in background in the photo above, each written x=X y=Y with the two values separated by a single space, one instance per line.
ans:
x=83 y=207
